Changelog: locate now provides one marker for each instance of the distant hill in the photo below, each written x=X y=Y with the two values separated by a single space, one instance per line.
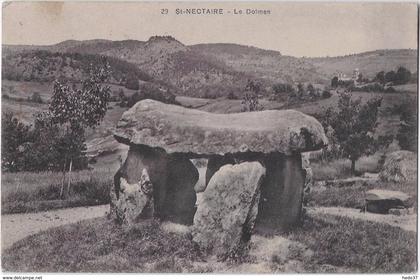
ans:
x=203 y=70
x=45 y=66
x=266 y=64
x=368 y=63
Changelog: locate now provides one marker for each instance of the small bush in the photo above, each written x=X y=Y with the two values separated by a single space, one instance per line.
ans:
x=36 y=97
x=132 y=82
x=326 y=94
x=390 y=90
x=232 y=96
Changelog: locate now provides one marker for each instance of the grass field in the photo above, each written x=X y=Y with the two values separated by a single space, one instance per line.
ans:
x=354 y=196
x=31 y=192
x=341 y=168
x=337 y=244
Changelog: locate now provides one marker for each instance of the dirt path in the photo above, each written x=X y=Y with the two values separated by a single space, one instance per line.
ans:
x=406 y=222
x=18 y=226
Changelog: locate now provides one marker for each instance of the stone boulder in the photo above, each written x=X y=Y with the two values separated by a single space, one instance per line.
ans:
x=136 y=200
x=399 y=166
x=201 y=134
x=381 y=201
x=282 y=193
x=275 y=139
x=225 y=218
x=170 y=185
x=180 y=200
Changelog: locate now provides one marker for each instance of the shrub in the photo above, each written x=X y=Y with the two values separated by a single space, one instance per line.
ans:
x=14 y=134
x=326 y=94
x=376 y=87
x=282 y=88
x=132 y=82
x=232 y=96
x=407 y=132
x=390 y=90
x=36 y=97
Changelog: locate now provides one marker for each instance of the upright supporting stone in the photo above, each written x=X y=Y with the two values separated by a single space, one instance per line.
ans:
x=180 y=197
x=153 y=184
x=140 y=160
x=225 y=218
x=281 y=193
x=214 y=163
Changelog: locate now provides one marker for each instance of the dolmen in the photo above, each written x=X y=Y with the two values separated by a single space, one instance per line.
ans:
x=254 y=175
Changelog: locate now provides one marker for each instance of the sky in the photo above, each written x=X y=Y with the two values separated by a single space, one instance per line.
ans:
x=297 y=29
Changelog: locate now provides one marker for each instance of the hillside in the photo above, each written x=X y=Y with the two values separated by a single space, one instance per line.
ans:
x=203 y=70
x=266 y=64
x=368 y=63
x=46 y=66
x=162 y=59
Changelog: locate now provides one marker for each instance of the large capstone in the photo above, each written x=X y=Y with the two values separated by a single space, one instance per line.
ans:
x=201 y=134
x=225 y=218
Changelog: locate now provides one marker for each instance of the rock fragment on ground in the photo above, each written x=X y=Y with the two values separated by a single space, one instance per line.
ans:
x=381 y=201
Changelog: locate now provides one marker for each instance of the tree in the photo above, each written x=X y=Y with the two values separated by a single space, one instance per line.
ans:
x=354 y=124
x=380 y=77
x=250 y=100
x=402 y=76
x=334 y=82
x=14 y=134
x=132 y=82
x=300 y=91
x=360 y=78
x=75 y=109
x=282 y=88
x=311 y=91
x=407 y=133
x=390 y=76
x=36 y=97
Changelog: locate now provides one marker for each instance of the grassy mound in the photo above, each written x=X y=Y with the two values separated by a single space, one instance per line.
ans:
x=339 y=244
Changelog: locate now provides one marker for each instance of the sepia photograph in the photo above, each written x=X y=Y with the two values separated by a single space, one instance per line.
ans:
x=209 y=137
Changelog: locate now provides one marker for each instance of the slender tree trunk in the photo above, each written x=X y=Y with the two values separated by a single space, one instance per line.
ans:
x=68 y=186
x=63 y=179
x=353 y=166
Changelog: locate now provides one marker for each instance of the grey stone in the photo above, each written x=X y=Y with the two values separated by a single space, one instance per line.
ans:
x=381 y=201
x=202 y=134
x=399 y=166
x=281 y=193
x=398 y=211
x=214 y=163
x=179 y=206
x=169 y=188
x=226 y=215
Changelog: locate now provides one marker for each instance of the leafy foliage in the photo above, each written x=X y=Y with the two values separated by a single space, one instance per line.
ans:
x=14 y=134
x=57 y=137
x=400 y=77
x=353 y=126
x=250 y=100
x=407 y=133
